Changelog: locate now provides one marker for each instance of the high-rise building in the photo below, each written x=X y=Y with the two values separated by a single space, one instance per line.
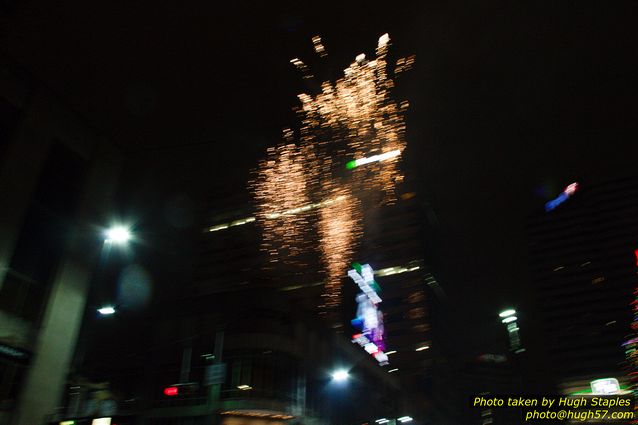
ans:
x=584 y=271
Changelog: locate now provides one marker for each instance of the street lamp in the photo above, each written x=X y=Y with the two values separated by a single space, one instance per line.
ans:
x=508 y=317
x=340 y=375
x=107 y=310
x=507 y=313
x=118 y=235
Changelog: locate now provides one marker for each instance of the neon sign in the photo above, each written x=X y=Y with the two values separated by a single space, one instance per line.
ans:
x=369 y=320
x=565 y=195
x=605 y=386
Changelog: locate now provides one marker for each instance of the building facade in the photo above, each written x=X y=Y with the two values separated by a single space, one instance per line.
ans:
x=584 y=271
x=58 y=177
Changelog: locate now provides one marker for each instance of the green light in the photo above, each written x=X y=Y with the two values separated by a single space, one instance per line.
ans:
x=352 y=164
x=357 y=267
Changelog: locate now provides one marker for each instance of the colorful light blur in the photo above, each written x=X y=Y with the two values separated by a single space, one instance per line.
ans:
x=374 y=158
x=355 y=116
x=369 y=319
x=566 y=194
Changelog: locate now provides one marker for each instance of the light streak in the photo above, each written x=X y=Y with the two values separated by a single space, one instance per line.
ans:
x=224 y=226
x=565 y=195
x=242 y=221
x=375 y=158
x=389 y=271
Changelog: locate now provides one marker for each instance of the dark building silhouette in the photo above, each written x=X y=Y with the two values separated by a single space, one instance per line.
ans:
x=57 y=179
x=584 y=272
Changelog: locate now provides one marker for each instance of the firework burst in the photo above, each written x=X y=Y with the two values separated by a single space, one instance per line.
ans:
x=356 y=117
x=303 y=191
x=281 y=192
x=339 y=230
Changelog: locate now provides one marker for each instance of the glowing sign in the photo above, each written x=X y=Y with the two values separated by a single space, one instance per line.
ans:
x=171 y=391
x=565 y=195
x=369 y=319
x=364 y=277
x=605 y=386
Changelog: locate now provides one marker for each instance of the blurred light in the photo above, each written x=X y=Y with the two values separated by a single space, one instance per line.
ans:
x=171 y=391
x=366 y=282
x=101 y=421
x=223 y=226
x=244 y=387
x=390 y=352
x=393 y=370
x=256 y=414
x=506 y=313
x=566 y=194
x=382 y=420
x=106 y=310
x=118 y=235
x=67 y=423
x=605 y=386
x=389 y=271
x=340 y=375
x=374 y=158
x=405 y=419
x=509 y=319
x=306 y=207
x=425 y=347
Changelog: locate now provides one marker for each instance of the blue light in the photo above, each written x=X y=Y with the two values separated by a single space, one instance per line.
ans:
x=565 y=195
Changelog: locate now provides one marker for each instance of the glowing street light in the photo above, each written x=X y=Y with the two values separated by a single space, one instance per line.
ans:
x=507 y=313
x=404 y=419
x=340 y=375
x=118 y=235
x=508 y=317
x=107 y=310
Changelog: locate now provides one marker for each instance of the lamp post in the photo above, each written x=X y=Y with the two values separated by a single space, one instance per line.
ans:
x=116 y=235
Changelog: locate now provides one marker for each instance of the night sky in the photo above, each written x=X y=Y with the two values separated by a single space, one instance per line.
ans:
x=510 y=102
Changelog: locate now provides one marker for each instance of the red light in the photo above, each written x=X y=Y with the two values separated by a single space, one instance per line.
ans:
x=170 y=391
x=636 y=253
